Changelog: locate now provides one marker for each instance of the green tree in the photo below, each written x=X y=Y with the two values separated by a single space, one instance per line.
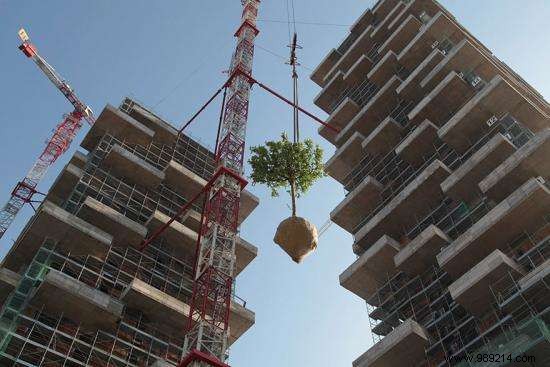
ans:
x=285 y=164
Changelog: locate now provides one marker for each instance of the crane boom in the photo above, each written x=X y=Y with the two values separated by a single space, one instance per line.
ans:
x=58 y=143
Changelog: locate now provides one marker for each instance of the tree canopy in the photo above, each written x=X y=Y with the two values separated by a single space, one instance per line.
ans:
x=285 y=164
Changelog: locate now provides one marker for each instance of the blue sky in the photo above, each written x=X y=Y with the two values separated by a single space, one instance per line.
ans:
x=171 y=55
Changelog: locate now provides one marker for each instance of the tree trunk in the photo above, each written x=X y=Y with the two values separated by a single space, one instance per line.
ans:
x=293 y=195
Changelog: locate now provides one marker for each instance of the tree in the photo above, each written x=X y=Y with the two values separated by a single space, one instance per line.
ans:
x=285 y=164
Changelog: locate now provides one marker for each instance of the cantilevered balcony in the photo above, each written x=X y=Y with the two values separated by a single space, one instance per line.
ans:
x=411 y=89
x=385 y=69
x=401 y=37
x=339 y=118
x=113 y=121
x=531 y=160
x=497 y=98
x=383 y=138
x=64 y=184
x=418 y=144
x=330 y=93
x=164 y=132
x=174 y=314
x=371 y=269
x=520 y=212
x=366 y=19
x=8 y=281
x=345 y=158
x=318 y=75
x=183 y=180
x=404 y=346
x=381 y=30
x=474 y=289
x=63 y=295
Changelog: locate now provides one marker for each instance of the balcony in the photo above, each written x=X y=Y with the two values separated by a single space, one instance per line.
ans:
x=404 y=346
x=358 y=70
x=183 y=180
x=78 y=159
x=125 y=232
x=339 y=118
x=118 y=123
x=61 y=294
x=522 y=211
x=384 y=69
x=420 y=254
x=371 y=269
x=474 y=289
x=402 y=36
x=330 y=93
x=410 y=89
x=9 y=280
x=345 y=158
x=497 y=98
x=418 y=144
x=362 y=22
x=387 y=13
x=64 y=184
x=319 y=74
x=531 y=160
x=383 y=138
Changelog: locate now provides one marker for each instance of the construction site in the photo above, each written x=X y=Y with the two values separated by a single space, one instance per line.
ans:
x=131 y=256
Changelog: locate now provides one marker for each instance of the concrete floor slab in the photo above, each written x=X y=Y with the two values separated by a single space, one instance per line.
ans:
x=371 y=269
x=362 y=22
x=522 y=211
x=8 y=281
x=181 y=240
x=473 y=290
x=531 y=160
x=384 y=69
x=357 y=204
x=165 y=133
x=384 y=138
x=381 y=31
x=410 y=89
x=418 y=143
x=330 y=92
x=358 y=70
x=249 y=202
x=345 y=158
x=318 y=75
x=81 y=303
x=401 y=37
x=125 y=231
x=404 y=346
x=183 y=180
x=341 y=116
x=420 y=254
x=113 y=121
x=78 y=159
x=123 y=163
x=462 y=184
x=64 y=184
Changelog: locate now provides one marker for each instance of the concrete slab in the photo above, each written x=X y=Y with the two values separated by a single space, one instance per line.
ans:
x=117 y=123
x=415 y=200
x=384 y=138
x=462 y=184
x=404 y=346
x=81 y=303
x=64 y=184
x=373 y=113
x=522 y=211
x=362 y=22
x=72 y=233
x=384 y=69
x=78 y=159
x=497 y=98
x=358 y=70
x=125 y=232
x=341 y=116
x=245 y=253
x=357 y=204
x=181 y=240
x=473 y=289
x=8 y=281
x=345 y=158
x=371 y=269
x=418 y=143
x=420 y=254
x=249 y=202
x=183 y=180
x=410 y=89
x=449 y=95
x=531 y=160
x=123 y=163
x=165 y=133
x=381 y=31
x=402 y=36
x=318 y=75
x=330 y=92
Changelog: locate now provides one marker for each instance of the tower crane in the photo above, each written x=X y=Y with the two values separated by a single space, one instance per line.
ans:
x=56 y=145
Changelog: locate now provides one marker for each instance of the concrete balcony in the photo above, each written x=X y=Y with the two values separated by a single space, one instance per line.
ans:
x=183 y=180
x=416 y=199
x=164 y=132
x=78 y=159
x=125 y=232
x=521 y=212
x=357 y=204
x=531 y=160
x=420 y=254
x=382 y=140
x=124 y=164
x=339 y=118
x=117 y=123
x=173 y=313
x=345 y=158
x=362 y=22
x=330 y=92
x=318 y=75
x=416 y=8
x=384 y=69
x=402 y=36
x=418 y=143
x=9 y=280
x=411 y=89
x=72 y=233
x=358 y=70
x=61 y=294
x=473 y=290
x=374 y=111
x=64 y=184
x=449 y=95
x=404 y=346
x=497 y=98
x=381 y=30
x=371 y=269
x=462 y=184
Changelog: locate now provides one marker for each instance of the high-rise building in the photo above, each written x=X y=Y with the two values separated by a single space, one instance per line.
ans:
x=444 y=154
x=77 y=289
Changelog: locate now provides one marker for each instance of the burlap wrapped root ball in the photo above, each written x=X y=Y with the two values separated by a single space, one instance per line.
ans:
x=297 y=237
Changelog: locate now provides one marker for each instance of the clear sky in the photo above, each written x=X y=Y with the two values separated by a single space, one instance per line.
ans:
x=170 y=55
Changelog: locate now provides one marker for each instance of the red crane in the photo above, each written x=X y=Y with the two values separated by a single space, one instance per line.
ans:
x=58 y=143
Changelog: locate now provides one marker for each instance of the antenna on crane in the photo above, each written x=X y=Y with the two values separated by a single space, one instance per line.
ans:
x=58 y=143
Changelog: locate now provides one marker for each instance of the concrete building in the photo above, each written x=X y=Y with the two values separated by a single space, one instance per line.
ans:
x=443 y=151
x=75 y=287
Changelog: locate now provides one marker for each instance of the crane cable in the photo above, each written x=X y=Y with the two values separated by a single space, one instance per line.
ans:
x=293 y=62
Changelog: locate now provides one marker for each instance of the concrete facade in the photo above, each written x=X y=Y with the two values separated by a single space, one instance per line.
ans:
x=443 y=151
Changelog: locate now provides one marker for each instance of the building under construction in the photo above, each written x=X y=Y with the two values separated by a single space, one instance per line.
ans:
x=443 y=151
x=77 y=288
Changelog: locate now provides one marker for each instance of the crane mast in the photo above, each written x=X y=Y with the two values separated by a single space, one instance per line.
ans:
x=58 y=143
x=208 y=328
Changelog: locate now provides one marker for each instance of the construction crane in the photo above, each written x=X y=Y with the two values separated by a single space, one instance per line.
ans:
x=56 y=145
